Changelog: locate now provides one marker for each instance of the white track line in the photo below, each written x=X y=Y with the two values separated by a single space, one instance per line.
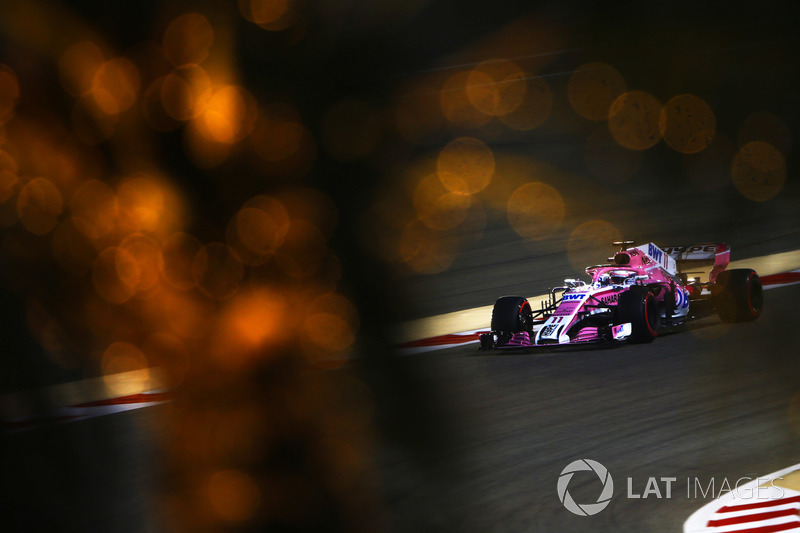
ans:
x=83 y=399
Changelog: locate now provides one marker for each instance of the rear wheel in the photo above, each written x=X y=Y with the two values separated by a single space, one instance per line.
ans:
x=512 y=314
x=638 y=306
x=738 y=295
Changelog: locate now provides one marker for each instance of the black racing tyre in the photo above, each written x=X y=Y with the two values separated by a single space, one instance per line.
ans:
x=638 y=306
x=512 y=314
x=738 y=295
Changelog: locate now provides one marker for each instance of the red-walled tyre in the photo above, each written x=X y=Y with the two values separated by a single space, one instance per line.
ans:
x=638 y=306
x=738 y=295
x=512 y=314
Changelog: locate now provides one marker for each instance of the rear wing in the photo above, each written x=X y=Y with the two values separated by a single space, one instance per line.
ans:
x=659 y=257
x=701 y=260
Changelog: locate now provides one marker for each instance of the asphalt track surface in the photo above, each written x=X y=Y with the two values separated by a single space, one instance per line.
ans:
x=93 y=475
x=712 y=402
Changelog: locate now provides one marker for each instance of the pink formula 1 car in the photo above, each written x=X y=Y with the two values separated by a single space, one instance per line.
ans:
x=644 y=291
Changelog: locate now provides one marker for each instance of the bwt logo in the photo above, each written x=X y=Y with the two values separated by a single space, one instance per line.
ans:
x=585 y=509
x=573 y=297
x=654 y=252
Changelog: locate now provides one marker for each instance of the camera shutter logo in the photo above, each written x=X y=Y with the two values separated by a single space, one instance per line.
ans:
x=585 y=509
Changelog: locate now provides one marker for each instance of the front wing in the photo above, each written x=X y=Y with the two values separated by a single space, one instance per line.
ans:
x=587 y=335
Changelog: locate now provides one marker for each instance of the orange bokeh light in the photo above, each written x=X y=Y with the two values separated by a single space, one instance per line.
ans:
x=426 y=251
x=114 y=275
x=496 y=87
x=592 y=89
x=227 y=114
x=536 y=210
x=125 y=369
x=470 y=161
x=9 y=93
x=122 y=357
x=182 y=89
x=282 y=142
x=78 y=65
x=259 y=229
x=273 y=15
x=38 y=205
x=115 y=86
x=759 y=171
x=249 y=323
x=634 y=120
x=590 y=243
x=141 y=203
x=255 y=318
x=234 y=496
x=687 y=124
x=329 y=330
x=187 y=315
x=439 y=207
x=456 y=105
x=148 y=203
x=188 y=39
x=9 y=183
x=146 y=253
x=331 y=334
x=203 y=150
x=7 y=162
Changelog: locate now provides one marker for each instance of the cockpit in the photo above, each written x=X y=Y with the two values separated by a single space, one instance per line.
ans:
x=609 y=278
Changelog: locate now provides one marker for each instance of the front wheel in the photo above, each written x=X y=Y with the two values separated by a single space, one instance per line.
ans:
x=738 y=295
x=512 y=314
x=638 y=306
